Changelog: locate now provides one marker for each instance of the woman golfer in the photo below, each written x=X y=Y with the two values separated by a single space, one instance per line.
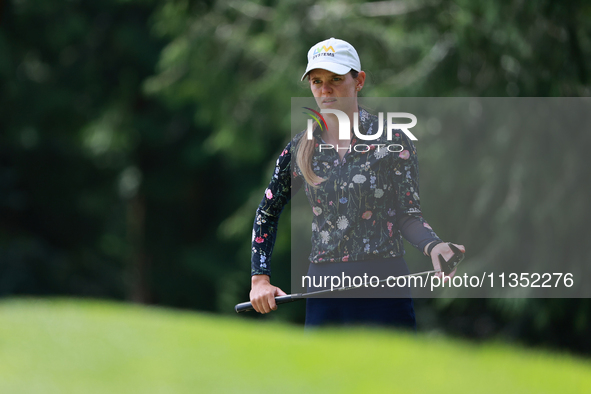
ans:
x=364 y=201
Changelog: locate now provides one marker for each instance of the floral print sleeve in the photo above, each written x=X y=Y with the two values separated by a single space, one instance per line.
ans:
x=277 y=195
x=413 y=227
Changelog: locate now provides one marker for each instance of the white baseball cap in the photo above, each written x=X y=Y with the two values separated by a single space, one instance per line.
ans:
x=334 y=55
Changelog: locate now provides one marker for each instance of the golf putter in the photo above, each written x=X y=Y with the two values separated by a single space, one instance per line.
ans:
x=447 y=268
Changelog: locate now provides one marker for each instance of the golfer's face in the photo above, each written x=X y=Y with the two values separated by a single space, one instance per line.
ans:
x=327 y=87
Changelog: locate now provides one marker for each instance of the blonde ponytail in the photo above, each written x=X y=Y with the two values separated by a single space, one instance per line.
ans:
x=304 y=154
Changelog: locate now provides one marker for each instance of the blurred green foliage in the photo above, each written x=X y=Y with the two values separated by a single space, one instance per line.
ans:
x=137 y=137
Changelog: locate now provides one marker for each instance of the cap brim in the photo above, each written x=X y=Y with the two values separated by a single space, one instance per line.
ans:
x=332 y=67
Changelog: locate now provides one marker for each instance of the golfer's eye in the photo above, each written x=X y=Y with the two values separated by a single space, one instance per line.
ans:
x=316 y=81
x=337 y=79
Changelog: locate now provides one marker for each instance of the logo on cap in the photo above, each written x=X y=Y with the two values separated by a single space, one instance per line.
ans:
x=323 y=47
x=319 y=49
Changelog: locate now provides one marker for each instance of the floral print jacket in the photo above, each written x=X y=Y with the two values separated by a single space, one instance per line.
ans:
x=368 y=201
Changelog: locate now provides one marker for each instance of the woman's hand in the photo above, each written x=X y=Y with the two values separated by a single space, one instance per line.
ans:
x=444 y=250
x=263 y=293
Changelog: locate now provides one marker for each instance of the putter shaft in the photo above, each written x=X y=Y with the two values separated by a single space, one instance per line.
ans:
x=447 y=268
x=247 y=306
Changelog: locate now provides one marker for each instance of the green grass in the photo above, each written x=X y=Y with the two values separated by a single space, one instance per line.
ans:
x=74 y=346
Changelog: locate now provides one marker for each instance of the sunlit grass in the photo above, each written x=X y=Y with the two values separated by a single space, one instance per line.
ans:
x=73 y=346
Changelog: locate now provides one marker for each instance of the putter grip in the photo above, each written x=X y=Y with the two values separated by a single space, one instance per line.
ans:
x=247 y=306
x=448 y=266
